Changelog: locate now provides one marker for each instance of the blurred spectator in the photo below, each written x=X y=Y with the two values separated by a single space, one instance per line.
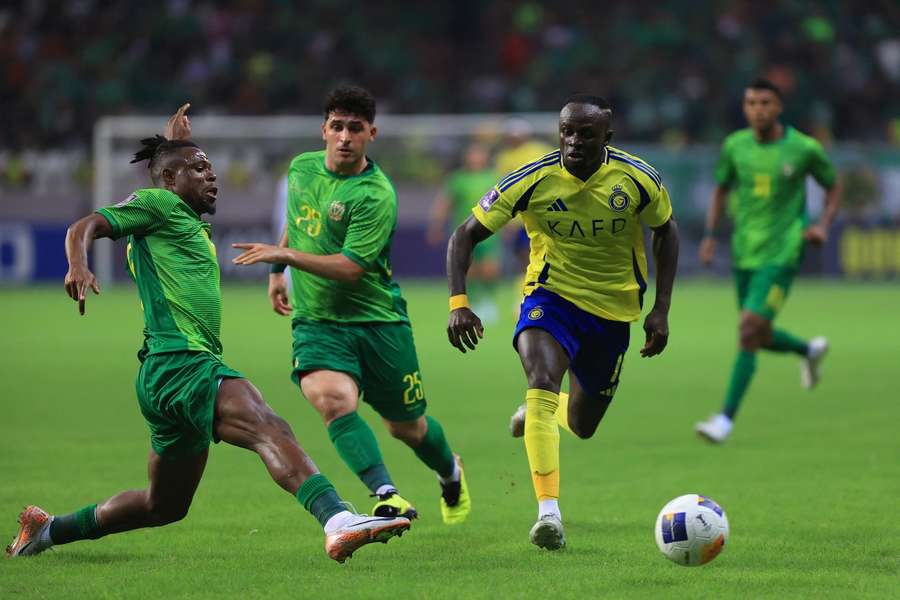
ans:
x=673 y=69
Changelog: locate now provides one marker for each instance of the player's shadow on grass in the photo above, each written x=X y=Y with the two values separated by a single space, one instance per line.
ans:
x=99 y=558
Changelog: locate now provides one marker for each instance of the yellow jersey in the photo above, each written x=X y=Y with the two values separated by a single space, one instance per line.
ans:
x=587 y=239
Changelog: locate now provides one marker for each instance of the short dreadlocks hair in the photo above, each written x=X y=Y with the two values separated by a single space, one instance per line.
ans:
x=156 y=148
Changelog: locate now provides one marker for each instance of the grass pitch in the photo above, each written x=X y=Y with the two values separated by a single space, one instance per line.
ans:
x=810 y=481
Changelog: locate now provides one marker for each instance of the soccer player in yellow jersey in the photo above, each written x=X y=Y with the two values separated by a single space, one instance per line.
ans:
x=584 y=207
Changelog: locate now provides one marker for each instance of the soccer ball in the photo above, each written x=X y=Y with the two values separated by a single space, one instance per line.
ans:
x=691 y=530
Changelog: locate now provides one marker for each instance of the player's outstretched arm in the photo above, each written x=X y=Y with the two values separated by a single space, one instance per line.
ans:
x=665 y=255
x=716 y=208
x=329 y=266
x=464 y=327
x=79 y=238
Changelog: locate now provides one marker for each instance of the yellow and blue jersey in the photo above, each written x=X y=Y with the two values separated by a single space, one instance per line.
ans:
x=587 y=240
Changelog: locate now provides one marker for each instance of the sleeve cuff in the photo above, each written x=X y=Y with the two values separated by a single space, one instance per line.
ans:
x=356 y=258
x=482 y=218
x=116 y=230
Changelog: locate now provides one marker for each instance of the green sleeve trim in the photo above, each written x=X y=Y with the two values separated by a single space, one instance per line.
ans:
x=116 y=230
x=356 y=258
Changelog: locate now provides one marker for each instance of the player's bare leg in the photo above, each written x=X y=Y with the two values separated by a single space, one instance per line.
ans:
x=585 y=411
x=245 y=420
x=166 y=499
x=545 y=362
x=579 y=412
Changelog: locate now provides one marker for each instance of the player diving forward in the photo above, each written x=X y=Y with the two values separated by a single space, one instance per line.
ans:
x=187 y=395
x=351 y=332
x=583 y=207
x=766 y=165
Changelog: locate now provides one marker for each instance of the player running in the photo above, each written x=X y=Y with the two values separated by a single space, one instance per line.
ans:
x=766 y=166
x=583 y=207
x=187 y=395
x=352 y=335
x=455 y=202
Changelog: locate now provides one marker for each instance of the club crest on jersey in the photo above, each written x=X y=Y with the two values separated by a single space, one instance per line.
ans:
x=536 y=313
x=618 y=200
x=787 y=170
x=336 y=211
x=127 y=200
x=487 y=201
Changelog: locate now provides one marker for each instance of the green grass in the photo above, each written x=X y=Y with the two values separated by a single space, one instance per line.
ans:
x=810 y=481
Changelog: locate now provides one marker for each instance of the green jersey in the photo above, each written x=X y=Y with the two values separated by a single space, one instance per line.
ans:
x=352 y=215
x=465 y=188
x=173 y=262
x=768 y=181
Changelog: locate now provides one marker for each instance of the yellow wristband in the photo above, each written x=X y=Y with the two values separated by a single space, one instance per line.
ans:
x=459 y=301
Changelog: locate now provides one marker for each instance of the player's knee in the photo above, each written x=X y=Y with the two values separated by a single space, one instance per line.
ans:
x=750 y=335
x=410 y=433
x=164 y=512
x=539 y=379
x=331 y=406
x=584 y=431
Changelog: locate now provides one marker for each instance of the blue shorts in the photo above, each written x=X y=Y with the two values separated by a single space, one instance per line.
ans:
x=596 y=346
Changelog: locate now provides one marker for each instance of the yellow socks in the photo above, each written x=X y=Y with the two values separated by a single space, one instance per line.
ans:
x=562 y=412
x=542 y=442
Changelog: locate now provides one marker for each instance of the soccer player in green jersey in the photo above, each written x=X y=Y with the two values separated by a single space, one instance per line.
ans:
x=584 y=207
x=188 y=396
x=764 y=168
x=454 y=205
x=352 y=336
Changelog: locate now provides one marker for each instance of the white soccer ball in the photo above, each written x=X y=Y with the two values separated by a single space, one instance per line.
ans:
x=691 y=530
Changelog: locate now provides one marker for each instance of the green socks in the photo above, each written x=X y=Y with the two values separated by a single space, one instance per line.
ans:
x=79 y=525
x=319 y=497
x=358 y=448
x=782 y=341
x=741 y=374
x=434 y=450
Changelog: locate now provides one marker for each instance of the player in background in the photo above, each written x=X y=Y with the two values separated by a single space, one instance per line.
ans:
x=187 y=395
x=519 y=147
x=765 y=166
x=453 y=205
x=584 y=207
x=352 y=335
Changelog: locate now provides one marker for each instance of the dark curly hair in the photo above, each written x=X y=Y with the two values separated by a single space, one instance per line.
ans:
x=352 y=100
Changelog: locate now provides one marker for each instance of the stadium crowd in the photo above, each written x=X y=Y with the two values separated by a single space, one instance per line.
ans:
x=673 y=69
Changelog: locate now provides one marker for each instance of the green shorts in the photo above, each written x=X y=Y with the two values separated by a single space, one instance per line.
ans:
x=381 y=357
x=763 y=291
x=177 y=395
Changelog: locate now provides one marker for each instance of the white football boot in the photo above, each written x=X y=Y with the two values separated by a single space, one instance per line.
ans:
x=548 y=533
x=361 y=530
x=715 y=429
x=811 y=366
x=30 y=539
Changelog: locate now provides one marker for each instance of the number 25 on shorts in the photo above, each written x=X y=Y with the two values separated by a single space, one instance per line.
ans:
x=413 y=392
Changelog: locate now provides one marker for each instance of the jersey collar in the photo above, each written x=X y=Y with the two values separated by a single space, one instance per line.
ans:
x=566 y=174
